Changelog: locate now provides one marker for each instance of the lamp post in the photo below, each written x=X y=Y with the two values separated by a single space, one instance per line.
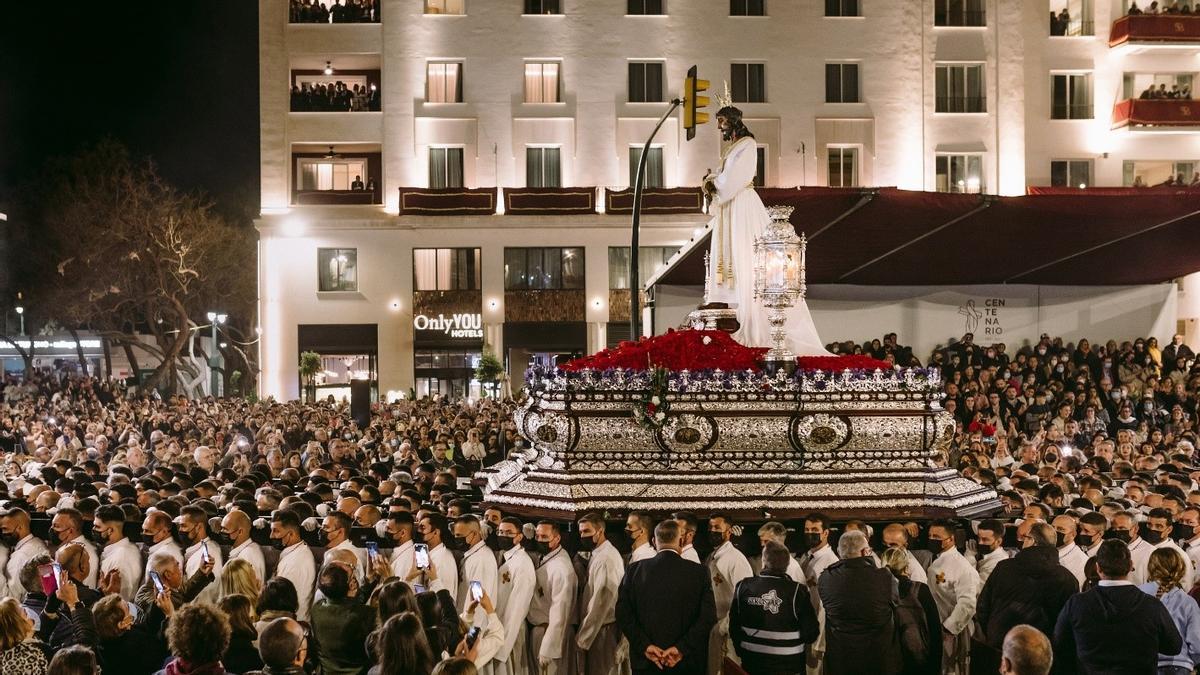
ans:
x=214 y=360
x=21 y=315
x=779 y=280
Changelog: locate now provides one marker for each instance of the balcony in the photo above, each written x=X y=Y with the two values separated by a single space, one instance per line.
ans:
x=1156 y=31
x=1171 y=115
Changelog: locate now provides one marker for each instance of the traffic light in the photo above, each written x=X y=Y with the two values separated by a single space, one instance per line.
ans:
x=694 y=103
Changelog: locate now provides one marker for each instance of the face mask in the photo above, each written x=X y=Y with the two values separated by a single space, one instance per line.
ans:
x=418 y=537
x=1119 y=535
x=1060 y=539
x=347 y=436
x=278 y=544
x=1084 y=540
x=505 y=543
x=812 y=539
x=1042 y=352
x=1182 y=532
x=542 y=547
x=1152 y=536
x=716 y=539
x=984 y=549
x=461 y=544
x=587 y=544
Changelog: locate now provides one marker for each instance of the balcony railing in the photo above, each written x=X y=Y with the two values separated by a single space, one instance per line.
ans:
x=336 y=197
x=336 y=11
x=961 y=104
x=1152 y=113
x=1071 y=112
x=1151 y=28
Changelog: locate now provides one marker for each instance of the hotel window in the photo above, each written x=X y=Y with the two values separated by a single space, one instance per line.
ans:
x=1149 y=173
x=330 y=174
x=645 y=7
x=959 y=89
x=747 y=8
x=542 y=167
x=841 y=83
x=446 y=269
x=843 y=166
x=645 y=82
x=1071 y=173
x=337 y=269
x=1071 y=96
x=960 y=173
x=650 y=260
x=653 y=178
x=532 y=269
x=760 y=166
x=841 y=8
x=1072 y=18
x=543 y=7
x=445 y=7
x=959 y=13
x=443 y=83
x=445 y=167
x=541 y=82
x=749 y=82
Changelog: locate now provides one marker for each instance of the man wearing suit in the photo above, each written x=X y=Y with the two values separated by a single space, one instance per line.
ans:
x=665 y=608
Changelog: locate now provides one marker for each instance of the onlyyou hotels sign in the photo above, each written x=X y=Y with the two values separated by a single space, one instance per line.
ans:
x=466 y=326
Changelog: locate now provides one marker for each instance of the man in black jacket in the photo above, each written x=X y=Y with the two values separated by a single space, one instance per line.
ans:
x=860 y=634
x=772 y=618
x=1029 y=588
x=1115 y=627
x=665 y=608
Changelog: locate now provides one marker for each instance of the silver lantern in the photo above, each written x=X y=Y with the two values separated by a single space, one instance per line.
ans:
x=779 y=278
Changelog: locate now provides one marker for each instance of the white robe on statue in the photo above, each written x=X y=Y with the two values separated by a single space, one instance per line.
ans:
x=738 y=217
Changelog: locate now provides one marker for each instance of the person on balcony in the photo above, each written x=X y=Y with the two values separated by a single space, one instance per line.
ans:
x=1134 y=10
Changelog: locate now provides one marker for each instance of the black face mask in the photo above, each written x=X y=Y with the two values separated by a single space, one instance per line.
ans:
x=1059 y=539
x=716 y=539
x=1083 y=540
x=1182 y=532
x=542 y=547
x=460 y=543
x=278 y=544
x=505 y=543
x=587 y=544
x=418 y=537
x=1152 y=536
x=934 y=546
x=1119 y=535
x=984 y=549
x=182 y=538
x=812 y=539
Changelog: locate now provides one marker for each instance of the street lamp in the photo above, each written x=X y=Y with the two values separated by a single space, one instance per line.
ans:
x=21 y=314
x=214 y=360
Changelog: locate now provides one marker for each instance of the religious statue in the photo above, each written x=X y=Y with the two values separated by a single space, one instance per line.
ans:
x=738 y=217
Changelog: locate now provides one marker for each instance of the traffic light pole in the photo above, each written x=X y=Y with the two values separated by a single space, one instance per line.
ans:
x=635 y=290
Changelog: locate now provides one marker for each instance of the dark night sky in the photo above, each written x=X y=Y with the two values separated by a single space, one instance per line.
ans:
x=175 y=80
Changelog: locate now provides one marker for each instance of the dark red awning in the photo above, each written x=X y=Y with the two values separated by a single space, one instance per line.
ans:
x=1154 y=28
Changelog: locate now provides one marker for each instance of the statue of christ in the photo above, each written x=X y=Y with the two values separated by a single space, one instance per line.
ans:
x=738 y=217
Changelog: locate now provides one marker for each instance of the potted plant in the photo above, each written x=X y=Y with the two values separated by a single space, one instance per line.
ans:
x=489 y=370
x=310 y=365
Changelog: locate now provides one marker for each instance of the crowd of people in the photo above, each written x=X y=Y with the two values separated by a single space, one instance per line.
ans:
x=338 y=11
x=1167 y=7
x=335 y=97
x=1161 y=92
x=146 y=535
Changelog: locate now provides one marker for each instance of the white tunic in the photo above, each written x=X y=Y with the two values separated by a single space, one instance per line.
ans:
x=194 y=558
x=598 y=603
x=360 y=568
x=726 y=566
x=955 y=586
x=169 y=546
x=27 y=549
x=814 y=563
x=296 y=564
x=689 y=553
x=553 y=602
x=251 y=553
x=478 y=564
x=516 y=586
x=643 y=552
x=1193 y=552
x=1074 y=559
x=93 y=575
x=402 y=560
x=915 y=571
x=1140 y=551
x=447 y=570
x=124 y=557
x=987 y=563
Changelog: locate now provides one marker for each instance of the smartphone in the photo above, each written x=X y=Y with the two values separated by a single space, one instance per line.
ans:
x=476 y=591
x=372 y=549
x=158 y=584
x=49 y=579
x=204 y=553
x=422 y=555
x=418 y=588
x=473 y=634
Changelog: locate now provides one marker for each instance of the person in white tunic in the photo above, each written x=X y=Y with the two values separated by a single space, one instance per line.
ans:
x=895 y=536
x=1158 y=527
x=603 y=650
x=156 y=529
x=516 y=586
x=193 y=526
x=726 y=567
x=336 y=526
x=688 y=524
x=478 y=563
x=1070 y=555
x=989 y=548
x=1189 y=519
x=119 y=553
x=638 y=527
x=67 y=527
x=553 y=605
x=25 y=547
x=296 y=561
x=777 y=532
x=400 y=529
x=738 y=217
x=1139 y=549
x=432 y=527
x=955 y=587
x=236 y=526
x=815 y=560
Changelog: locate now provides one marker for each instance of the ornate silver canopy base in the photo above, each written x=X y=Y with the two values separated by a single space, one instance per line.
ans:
x=756 y=446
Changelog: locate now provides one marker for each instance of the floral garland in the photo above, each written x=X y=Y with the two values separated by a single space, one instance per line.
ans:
x=650 y=412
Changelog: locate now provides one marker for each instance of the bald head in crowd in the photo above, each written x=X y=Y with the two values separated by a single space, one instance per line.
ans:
x=1026 y=652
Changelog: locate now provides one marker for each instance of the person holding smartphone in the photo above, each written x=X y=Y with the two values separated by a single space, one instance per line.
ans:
x=481 y=644
x=478 y=562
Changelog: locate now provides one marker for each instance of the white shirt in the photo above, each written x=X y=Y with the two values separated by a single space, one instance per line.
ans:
x=447 y=571
x=726 y=566
x=553 y=602
x=478 y=564
x=987 y=563
x=359 y=554
x=296 y=564
x=93 y=575
x=795 y=572
x=689 y=553
x=402 y=560
x=124 y=557
x=251 y=553
x=955 y=586
x=1074 y=559
x=1193 y=552
x=915 y=571
x=1140 y=551
x=643 y=552
x=473 y=450
x=28 y=548
x=194 y=559
x=598 y=604
x=813 y=563
x=169 y=546
x=1189 y=569
x=517 y=583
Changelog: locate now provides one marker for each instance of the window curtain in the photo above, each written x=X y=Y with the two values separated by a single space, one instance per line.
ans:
x=453 y=93
x=437 y=167
x=618 y=267
x=550 y=83
x=425 y=269
x=637 y=83
x=435 y=79
x=308 y=176
x=654 y=82
x=445 y=266
x=541 y=83
x=454 y=167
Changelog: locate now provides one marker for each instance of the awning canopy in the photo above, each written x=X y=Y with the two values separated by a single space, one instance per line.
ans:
x=885 y=236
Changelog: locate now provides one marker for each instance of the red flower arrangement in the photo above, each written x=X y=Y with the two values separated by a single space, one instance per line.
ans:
x=678 y=350
x=982 y=427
